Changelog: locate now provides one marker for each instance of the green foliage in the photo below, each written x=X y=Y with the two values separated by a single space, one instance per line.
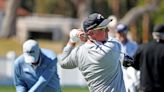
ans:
x=27 y=4
x=45 y=6
x=65 y=7
x=141 y=2
x=101 y=6
x=59 y=7
x=70 y=8
x=158 y=15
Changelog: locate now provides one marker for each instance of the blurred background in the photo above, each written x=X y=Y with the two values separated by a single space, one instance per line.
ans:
x=49 y=22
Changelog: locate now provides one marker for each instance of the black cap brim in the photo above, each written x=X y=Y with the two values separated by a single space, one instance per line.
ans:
x=104 y=23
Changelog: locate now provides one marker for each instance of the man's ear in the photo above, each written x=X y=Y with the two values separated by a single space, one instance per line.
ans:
x=90 y=32
x=106 y=30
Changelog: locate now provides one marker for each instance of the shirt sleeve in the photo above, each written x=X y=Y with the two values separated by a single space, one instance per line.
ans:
x=44 y=78
x=123 y=52
x=18 y=81
x=137 y=57
x=68 y=60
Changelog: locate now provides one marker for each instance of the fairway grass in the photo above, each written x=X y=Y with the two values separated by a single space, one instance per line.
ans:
x=64 y=89
x=7 y=89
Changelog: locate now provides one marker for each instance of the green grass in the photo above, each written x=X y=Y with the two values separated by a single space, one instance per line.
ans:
x=7 y=89
x=75 y=89
x=64 y=89
x=13 y=44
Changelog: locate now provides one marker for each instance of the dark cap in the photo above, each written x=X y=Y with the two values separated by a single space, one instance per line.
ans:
x=93 y=21
x=159 y=28
x=122 y=28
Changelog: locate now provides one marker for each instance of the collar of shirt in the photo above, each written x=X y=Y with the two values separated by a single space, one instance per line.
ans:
x=40 y=59
x=97 y=43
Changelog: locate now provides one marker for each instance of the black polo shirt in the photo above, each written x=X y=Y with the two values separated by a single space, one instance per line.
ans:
x=149 y=59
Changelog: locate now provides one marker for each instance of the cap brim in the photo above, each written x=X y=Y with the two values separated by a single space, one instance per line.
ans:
x=29 y=58
x=104 y=23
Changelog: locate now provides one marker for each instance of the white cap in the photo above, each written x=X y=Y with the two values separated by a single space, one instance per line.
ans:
x=31 y=51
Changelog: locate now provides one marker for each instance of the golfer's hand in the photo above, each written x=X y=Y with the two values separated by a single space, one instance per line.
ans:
x=74 y=35
x=77 y=35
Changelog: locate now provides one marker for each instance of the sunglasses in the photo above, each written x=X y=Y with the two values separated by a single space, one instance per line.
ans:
x=101 y=28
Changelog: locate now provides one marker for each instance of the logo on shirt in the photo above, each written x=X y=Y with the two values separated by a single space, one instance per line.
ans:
x=26 y=69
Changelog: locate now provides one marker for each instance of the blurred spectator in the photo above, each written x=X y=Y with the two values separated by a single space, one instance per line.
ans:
x=129 y=47
x=149 y=59
x=11 y=55
x=35 y=70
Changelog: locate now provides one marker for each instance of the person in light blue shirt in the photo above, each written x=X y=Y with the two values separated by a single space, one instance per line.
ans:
x=129 y=48
x=36 y=70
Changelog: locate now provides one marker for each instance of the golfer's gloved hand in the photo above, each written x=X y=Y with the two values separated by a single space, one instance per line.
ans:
x=128 y=61
x=74 y=35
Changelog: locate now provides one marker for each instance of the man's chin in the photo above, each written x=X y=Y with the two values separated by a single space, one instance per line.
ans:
x=30 y=62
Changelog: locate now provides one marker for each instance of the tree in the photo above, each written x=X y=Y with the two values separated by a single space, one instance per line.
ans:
x=136 y=12
x=9 y=23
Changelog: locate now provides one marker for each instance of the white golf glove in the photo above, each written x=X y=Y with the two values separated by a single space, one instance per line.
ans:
x=74 y=35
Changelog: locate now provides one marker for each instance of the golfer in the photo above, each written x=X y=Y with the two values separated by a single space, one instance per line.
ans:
x=35 y=70
x=98 y=58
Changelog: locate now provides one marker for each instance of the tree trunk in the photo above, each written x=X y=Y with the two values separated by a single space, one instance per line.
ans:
x=145 y=28
x=116 y=7
x=9 y=22
x=133 y=31
x=84 y=9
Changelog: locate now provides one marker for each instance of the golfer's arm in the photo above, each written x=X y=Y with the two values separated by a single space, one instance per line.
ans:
x=44 y=78
x=39 y=85
x=18 y=81
x=68 y=56
x=20 y=88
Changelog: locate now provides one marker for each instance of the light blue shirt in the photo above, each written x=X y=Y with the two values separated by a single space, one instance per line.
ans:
x=43 y=78
x=130 y=47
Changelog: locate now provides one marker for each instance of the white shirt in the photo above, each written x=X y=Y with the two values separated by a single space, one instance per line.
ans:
x=99 y=63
